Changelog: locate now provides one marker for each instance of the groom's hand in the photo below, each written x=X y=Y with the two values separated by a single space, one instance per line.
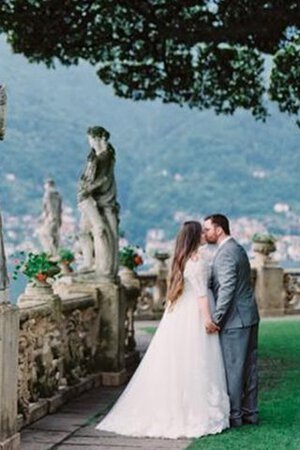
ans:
x=211 y=327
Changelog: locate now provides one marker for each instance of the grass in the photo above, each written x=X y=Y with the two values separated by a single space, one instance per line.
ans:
x=149 y=330
x=279 y=395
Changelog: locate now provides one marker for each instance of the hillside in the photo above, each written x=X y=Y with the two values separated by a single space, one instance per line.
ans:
x=169 y=159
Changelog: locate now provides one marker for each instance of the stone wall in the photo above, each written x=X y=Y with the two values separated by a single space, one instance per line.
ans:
x=61 y=349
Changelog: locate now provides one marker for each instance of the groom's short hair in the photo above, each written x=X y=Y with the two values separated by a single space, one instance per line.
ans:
x=221 y=221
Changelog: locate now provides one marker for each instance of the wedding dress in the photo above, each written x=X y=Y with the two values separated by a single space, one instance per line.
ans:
x=179 y=388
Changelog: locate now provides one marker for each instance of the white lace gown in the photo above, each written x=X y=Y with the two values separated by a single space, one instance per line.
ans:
x=179 y=388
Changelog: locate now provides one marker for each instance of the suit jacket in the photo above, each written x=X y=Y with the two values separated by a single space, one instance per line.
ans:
x=231 y=285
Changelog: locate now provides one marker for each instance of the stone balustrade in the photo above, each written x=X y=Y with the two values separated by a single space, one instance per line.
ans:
x=291 y=283
x=145 y=303
x=153 y=284
x=70 y=340
x=59 y=347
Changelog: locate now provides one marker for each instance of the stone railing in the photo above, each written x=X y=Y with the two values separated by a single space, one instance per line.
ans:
x=291 y=282
x=58 y=349
x=144 y=309
x=153 y=283
x=68 y=343
x=277 y=291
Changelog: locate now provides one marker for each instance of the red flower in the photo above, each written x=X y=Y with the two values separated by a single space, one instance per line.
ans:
x=138 y=260
x=41 y=276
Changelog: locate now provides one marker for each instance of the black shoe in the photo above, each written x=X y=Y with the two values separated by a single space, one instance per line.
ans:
x=250 y=420
x=235 y=423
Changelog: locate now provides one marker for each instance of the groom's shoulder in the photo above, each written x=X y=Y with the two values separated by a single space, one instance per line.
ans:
x=230 y=247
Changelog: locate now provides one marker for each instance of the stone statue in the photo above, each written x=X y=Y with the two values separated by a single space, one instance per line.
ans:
x=4 y=282
x=2 y=111
x=97 y=201
x=51 y=218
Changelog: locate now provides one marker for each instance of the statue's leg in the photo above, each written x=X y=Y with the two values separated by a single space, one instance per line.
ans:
x=100 y=229
x=54 y=239
x=44 y=238
x=112 y=221
x=86 y=241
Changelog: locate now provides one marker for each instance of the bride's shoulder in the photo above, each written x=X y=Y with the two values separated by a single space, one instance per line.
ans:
x=207 y=252
x=199 y=258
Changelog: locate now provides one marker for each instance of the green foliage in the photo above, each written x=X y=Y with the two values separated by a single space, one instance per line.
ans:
x=36 y=266
x=66 y=254
x=202 y=54
x=129 y=257
x=285 y=78
x=268 y=238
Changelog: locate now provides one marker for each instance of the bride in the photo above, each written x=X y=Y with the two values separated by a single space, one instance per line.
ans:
x=179 y=388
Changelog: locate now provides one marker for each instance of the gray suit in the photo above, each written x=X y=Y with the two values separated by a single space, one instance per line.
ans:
x=236 y=313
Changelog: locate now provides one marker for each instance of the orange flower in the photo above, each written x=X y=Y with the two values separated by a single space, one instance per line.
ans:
x=41 y=276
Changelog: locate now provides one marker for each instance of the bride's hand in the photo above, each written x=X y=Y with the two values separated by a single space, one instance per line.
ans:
x=211 y=327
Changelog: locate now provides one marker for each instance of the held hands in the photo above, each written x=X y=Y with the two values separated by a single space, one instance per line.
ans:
x=211 y=327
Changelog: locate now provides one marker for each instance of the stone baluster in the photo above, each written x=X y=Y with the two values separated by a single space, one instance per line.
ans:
x=9 y=336
x=292 y=291
x=132 y=288
x=160 y=288
x=269 y=287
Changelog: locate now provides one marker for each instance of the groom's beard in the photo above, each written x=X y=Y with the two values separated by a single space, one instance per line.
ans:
x=211 y=240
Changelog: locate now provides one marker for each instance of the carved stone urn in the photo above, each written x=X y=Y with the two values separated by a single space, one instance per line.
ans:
x=129 y=278
x=39 y=289
x=263 y=247
x=66 y=267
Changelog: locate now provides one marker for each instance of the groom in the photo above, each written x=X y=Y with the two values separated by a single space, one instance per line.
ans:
x=236 y=317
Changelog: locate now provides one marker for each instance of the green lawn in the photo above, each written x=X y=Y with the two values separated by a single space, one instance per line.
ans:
x=279 y=395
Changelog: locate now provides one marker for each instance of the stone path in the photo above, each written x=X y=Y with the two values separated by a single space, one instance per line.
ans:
x=73 y=426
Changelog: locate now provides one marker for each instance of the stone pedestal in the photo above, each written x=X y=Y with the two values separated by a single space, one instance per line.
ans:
x=112 y=328
x=269 y=290
x=37 y=293
x=9 y=333
x=110 y=358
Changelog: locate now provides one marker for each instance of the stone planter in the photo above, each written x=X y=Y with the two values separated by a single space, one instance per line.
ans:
x=265 y=248
x=262 y=251
x=129 y=279
x=66 y=267
x=132 y=288
x=36 y=292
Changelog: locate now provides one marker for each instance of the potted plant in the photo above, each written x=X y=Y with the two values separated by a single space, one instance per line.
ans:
x=66 y=257
x=264 y=243
x=37 y=267
x=130 y=259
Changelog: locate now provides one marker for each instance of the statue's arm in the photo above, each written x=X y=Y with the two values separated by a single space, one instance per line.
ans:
x=104 y=162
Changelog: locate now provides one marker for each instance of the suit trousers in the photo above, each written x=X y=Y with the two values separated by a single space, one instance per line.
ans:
x=239 y=348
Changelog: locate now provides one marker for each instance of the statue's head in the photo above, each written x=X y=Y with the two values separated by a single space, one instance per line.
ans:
x=98 y=132
x=98 y=137
x=49 y=183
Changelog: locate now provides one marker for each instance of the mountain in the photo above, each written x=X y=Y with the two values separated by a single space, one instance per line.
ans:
x=169 y=159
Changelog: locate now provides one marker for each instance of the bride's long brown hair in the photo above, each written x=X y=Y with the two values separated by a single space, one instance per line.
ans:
x=187 y=242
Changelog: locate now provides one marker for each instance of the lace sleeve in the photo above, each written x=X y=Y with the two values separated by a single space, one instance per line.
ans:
x=199 y=277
